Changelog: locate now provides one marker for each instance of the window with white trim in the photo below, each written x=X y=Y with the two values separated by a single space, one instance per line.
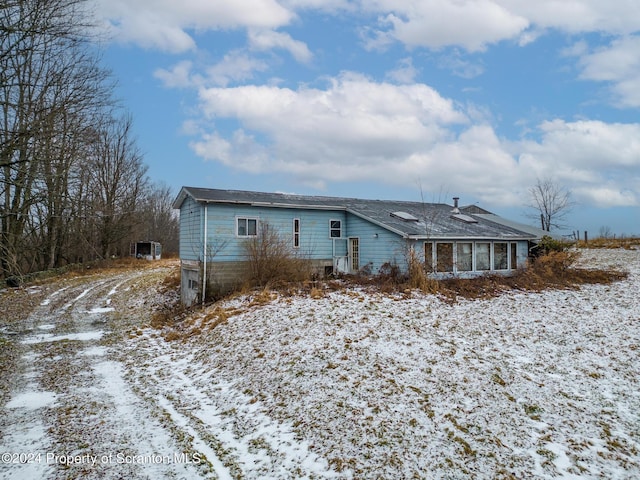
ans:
x=514 y=256
x=246 y=227
x=464 y=257
x=444 y=257
x=428 y=256
x=335 y=228
x=483 y=256
x=500 y=257
x=296 y=232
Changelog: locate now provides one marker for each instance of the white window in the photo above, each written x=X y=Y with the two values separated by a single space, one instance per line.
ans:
x=483 y=256
x=296 y=232
x=428 y=256
x=444 y=257
x=247 y=227
x=335 y=228
x=464 y=261
x=500 y=257
x=354 y=247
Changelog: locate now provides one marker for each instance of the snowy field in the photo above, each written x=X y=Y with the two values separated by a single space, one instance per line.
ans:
x=348 y=385
x=360 y=385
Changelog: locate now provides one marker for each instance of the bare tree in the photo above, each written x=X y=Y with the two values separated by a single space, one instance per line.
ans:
x=49 y=87
x=551 y=202
x=117 y=180
x=158 y=219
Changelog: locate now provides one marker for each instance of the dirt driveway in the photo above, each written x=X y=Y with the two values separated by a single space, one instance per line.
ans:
x=67 y=409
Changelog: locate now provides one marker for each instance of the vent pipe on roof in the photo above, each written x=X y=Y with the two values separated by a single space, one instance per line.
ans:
x=455 y=205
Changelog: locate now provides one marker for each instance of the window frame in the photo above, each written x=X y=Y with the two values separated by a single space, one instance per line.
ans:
x=513 y=255
x=296 y=233
x=475 y=257
x=247 y=230
x=450 y=261
x=497 y=257
x=469 y=259
x=333 y=229
x=429 y=264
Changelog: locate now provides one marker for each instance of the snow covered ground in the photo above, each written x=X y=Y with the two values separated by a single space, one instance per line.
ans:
x=359 y=385
x=349 y=385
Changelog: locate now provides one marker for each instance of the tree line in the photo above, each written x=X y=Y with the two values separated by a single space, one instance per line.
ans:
x=73 y=184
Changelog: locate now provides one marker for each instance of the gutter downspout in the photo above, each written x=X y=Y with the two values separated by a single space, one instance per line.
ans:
x=204 y=256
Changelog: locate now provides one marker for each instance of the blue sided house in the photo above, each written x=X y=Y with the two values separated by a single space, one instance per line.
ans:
x=340 y=235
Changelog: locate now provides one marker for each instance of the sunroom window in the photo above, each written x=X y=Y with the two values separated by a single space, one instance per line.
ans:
x=428 y=256
x=514 y=255
x=500 y=258
x=483 y=256
x=444 y=257
x=465 y=259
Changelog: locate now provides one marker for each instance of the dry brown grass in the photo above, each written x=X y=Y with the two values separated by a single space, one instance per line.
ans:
x=626 y=243
x=555 y=270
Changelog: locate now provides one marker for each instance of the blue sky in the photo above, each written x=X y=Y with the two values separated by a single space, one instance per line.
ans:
x=395 y=99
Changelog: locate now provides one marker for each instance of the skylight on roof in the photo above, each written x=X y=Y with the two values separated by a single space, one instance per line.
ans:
x=407 y=217
x=464 y=218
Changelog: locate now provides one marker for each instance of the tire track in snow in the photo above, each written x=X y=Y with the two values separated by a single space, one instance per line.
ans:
x=243 y=436
x=70 y=399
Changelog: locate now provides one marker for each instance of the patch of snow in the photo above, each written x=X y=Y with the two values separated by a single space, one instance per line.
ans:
x=101 y=310
x=47 y=337
x=94 y=351
x=32 y=400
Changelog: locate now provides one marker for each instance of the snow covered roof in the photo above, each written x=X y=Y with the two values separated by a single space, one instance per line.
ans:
x=418 y=220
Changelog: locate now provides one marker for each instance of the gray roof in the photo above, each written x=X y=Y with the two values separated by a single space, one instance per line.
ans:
x=537 y=232
x=434 y=220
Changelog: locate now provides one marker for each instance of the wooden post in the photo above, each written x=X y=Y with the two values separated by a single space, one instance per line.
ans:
x=586 y=239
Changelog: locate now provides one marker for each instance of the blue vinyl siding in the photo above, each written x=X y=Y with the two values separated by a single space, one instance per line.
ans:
x=314 y=230
x=377 y=245
x=191 y=230
x=376 y=251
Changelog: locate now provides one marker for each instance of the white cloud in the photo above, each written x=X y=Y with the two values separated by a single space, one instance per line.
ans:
x=179 y=76
x=404 y=73
x=235 y=66
x=162 y=24
x=475 y=24
x=472 y=24
x=268 y=40
x=618 y=64
x=359 y=130
x=591 y=157
x=617 y=17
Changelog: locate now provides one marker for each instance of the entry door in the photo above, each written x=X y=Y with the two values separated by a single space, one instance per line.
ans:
x=354 y=255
